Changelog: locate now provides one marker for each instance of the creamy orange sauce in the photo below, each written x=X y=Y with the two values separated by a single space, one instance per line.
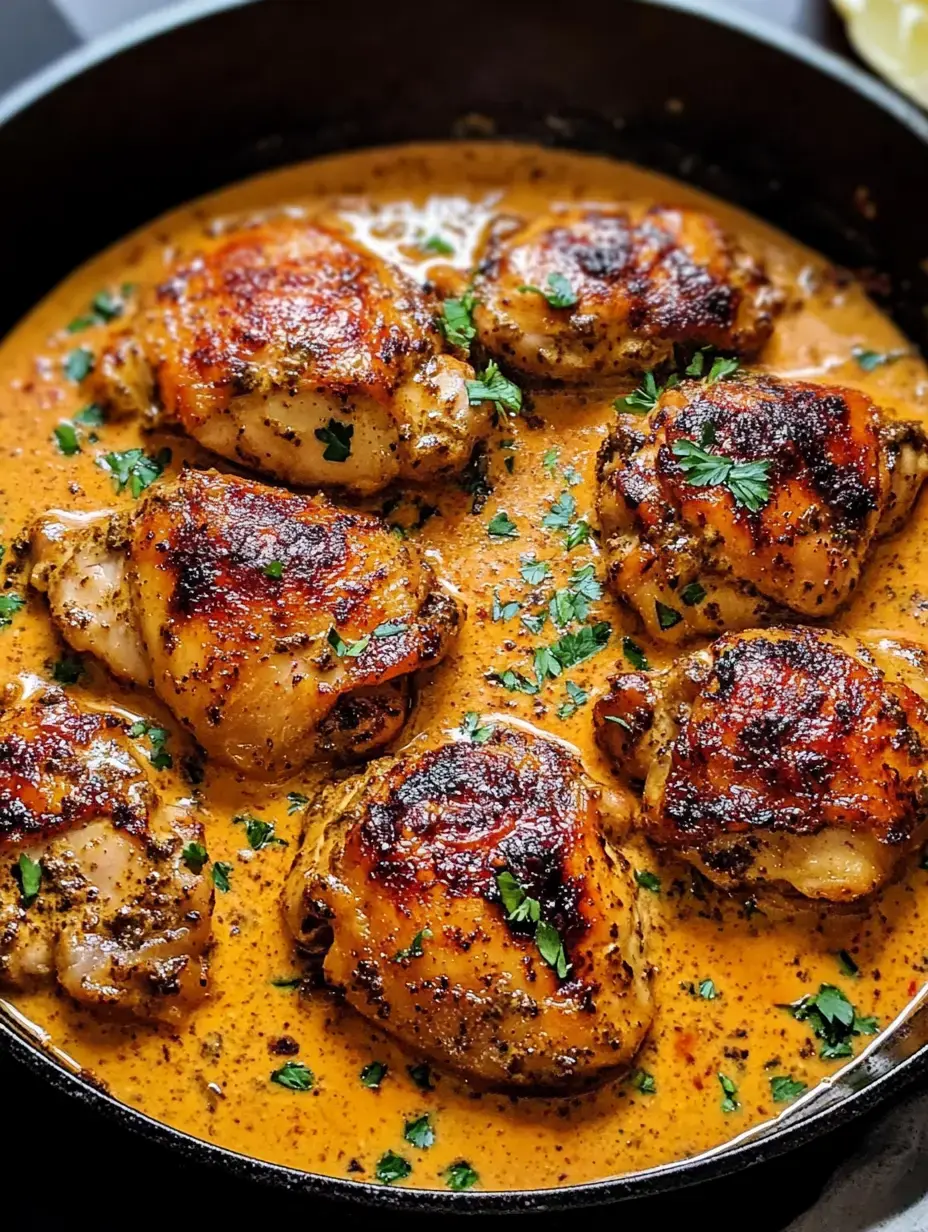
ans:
x=211 y=1076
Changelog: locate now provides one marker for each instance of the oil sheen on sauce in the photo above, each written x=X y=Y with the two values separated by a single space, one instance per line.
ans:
x=210 y=1077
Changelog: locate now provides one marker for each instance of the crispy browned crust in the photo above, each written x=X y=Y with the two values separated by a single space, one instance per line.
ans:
x=53 y=777
x=451 y=818
x=282 y=304
x=671 y=276
x=829 y=482
x=215 y=539
x=792 y=734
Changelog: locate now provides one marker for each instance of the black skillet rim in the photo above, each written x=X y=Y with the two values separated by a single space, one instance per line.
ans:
x=653 y=1181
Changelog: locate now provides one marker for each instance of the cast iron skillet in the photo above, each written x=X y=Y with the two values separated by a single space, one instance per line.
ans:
x=215 y=90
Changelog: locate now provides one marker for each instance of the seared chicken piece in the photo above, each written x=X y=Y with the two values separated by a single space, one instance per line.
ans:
x=792 y=759
x=739 y=502
x=95 y=891
x=290 y=348
x=464 y=897
x=591 y=294
x=277 y=627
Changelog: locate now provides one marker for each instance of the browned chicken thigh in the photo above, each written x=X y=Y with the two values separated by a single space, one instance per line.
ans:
x=464 y=897
x=98 y=888
x=288 y=347
x=792 y=759
x=594 y=293
x=734 y=503
x=277 y=627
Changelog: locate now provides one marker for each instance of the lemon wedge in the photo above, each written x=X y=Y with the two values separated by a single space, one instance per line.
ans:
x=893 y=36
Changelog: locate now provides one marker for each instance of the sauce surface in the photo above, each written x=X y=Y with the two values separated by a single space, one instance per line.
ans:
x=210 y=1077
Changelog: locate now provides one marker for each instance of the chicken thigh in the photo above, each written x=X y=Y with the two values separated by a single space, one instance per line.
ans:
x=742 y=501
x=277 y=627
x=96 y=890
x=464 y=897
x=791 y=759
x=288 y=347
x=592 y=294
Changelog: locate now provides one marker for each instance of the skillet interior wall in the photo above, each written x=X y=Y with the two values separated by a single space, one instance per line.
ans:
x=275 y=82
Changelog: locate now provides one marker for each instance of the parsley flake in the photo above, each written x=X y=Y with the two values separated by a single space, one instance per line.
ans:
x=295 y=1076
x=392 y=1167
x=158 y=737
x=557 y=291
x=501 y=612
x=390 y=628
x=66 y=438
x=667 y=617
x=195 y=855
x=576 y=697
x=68 y=669
x=692 y=594
x=833 y=1020
x=436 y=245
x=457 y=321
x=534 y=571
x=475 y=731
x=502 y=527
x=784 y=1089
x=521 y=908
x=295 y=801
x=10 y=604
x=644 y=398
x=347 y=650
x=337 y=440
x=259 y=833
x=135 y=469
x=419 y=1133
x=274 y=570
x=373 y=1074
x=635 y=655
x=415 y=948
x=730 y=1102
x=492 y=386
x=648 y=880
x=421 y=1075
x=748 y=482
x=28 y=873
x=461 y=1176
x=221 y=872
x=644 y=1082
x=78 y=363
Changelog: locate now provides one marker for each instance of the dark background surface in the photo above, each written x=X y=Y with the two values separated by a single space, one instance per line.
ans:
x=55 y=1155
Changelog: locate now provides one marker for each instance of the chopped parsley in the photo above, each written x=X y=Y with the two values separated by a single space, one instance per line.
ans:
x=461 y=1176
x=535 y=622
x=692 y=594
x=502 y=527
x=514 y=681
x=707 y=990
x=68 y=669
x=667 y=617
x=28 y=873
x=392 y=1167
x=91 y=416
x=347 y=650
x=475 y=731
x=419 y=1133
x=561 y=517
x=295 y=1076
x=869 y=361
x=337 y=440
x=421 y=1075
x=274 y=570
x=573 y=648
x=557 y=291
x=644 y=398
x=104 y=307
x=783 y=1089
x=391 y=628
x=259 y=833
x=288 y=982
x=373 y=1074
x=492 y=386
x=534 y=571
x=748 y=482
x=847 y=964
x=158 y=737
x=576 y=697
x=549 y=461
x=295 y=801
x=10 y=604
x=572 y=476
x=719 y=368
x=730 y=1102
x=221 y=872
x=415 y=948
x=195 y=855
x=457 y=322
x=648 y=880
x=66 y=438
x=135 y=469
x=635 y=655
x=833 y=1020
x=437 y=246
x=644 y=1082
x=502 y=612
x=520 y=909
x=78 y=363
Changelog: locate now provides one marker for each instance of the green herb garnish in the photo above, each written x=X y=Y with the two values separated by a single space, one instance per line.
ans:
x=136 y=469
x=748 y=482
x=557 y=291
x=337 y=440
x=492 y=386
x=295 y=1076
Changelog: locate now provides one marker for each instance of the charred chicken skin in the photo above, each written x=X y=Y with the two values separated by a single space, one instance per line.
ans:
x=277 y=627
x=743 y=501
x=464 y=897
x=787 y=759
x=291 y=349
x=94 y=889
x=593 y=294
